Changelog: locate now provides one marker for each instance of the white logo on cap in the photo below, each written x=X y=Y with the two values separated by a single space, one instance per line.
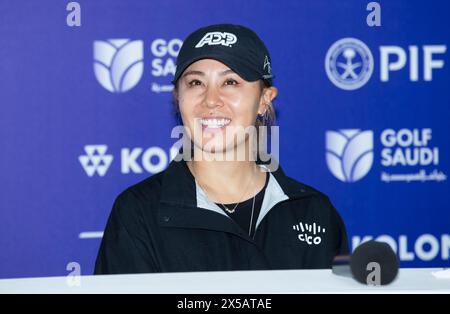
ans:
x=268 y=66
x=217 y=38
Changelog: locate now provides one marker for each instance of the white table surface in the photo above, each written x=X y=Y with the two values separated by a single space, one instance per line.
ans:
x=237 y=282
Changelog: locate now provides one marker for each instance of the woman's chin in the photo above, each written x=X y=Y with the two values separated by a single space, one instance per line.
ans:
x=218 y=149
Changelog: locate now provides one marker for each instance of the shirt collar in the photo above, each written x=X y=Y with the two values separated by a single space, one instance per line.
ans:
x=180 y=188
x=273 y=195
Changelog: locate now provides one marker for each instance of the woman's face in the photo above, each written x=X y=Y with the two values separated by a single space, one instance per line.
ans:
x=215 y=101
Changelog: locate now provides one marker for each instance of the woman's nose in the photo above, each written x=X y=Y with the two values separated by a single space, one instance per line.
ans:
x=212 y=98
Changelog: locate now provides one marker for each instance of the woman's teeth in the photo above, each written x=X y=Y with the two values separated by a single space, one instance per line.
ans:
x=215 y=123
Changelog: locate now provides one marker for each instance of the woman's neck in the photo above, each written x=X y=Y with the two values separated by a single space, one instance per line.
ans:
x=228 y=181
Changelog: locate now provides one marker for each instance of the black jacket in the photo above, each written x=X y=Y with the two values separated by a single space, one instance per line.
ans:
x=166 y=224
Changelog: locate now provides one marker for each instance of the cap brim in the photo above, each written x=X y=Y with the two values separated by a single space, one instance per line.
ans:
x=234 y=64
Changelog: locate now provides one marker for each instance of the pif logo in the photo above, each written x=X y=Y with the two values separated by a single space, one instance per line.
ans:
x=349 y=62
x=217 y=38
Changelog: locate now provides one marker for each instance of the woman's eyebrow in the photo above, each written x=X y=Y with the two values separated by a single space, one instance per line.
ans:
x=193 y=72
x=196 y=72
x=229 y=71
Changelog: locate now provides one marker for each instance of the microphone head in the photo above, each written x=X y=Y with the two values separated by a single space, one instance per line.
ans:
x=374 y=263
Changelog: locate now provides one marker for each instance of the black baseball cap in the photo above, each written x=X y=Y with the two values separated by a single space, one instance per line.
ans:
x=236 y=46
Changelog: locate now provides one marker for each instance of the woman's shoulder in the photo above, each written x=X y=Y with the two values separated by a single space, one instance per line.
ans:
x=147 y=191
x=318 y=199
x=292 y=186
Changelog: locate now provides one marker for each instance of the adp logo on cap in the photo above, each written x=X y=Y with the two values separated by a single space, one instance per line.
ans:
x=217 y=38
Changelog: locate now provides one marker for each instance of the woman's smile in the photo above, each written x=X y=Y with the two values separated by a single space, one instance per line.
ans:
x=214 y=124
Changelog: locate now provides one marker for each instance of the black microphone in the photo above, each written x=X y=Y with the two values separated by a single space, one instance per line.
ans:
x=372 y=263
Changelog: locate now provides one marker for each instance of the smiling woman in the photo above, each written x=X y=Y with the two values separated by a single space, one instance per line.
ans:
x=216 y=103
x=210 y=213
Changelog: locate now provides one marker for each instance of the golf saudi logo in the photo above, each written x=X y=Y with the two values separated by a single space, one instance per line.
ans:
x=118 y=63
x=349 y=153
x=349 y=63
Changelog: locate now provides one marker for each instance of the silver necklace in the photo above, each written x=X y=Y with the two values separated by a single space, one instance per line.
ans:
x=231 y=211
x=251 y=217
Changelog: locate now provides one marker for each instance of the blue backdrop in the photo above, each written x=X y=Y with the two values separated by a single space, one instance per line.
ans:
x=86 y=111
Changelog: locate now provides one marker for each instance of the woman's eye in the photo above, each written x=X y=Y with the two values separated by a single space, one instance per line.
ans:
x=194 y=83
x=231 y=82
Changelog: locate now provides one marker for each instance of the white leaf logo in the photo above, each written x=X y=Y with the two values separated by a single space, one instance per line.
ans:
x=118 y=63
x=349 y=153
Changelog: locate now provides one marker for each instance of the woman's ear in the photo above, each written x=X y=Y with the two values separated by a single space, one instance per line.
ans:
x=267 y=97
